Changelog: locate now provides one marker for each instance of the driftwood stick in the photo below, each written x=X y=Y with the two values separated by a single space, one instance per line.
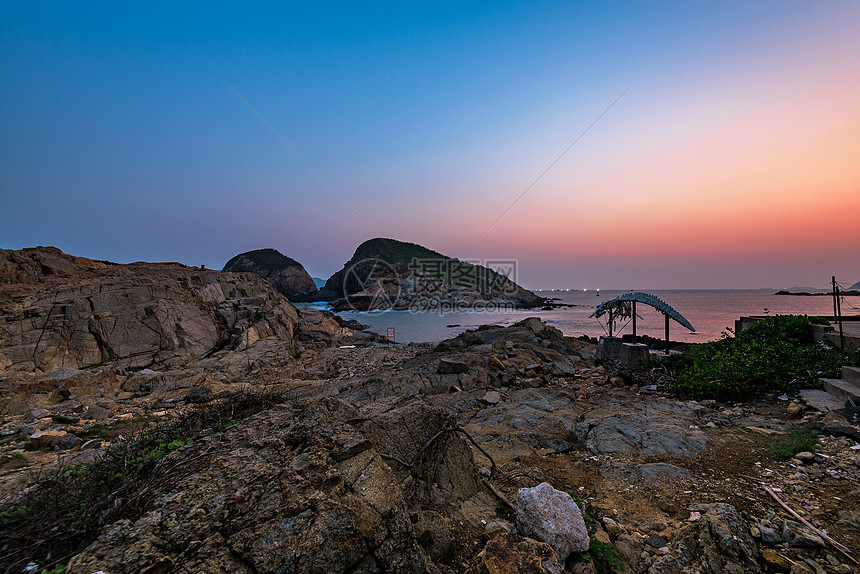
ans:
x=474 y=442
x=836 y=545
x=414 y=460
x=420 y=450
x=500 y=496
x=755 y=478
x=395 y=459
x=427 y=444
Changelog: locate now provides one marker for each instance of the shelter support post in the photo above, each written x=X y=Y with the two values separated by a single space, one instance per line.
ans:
x=667 y=332
x=634 y=322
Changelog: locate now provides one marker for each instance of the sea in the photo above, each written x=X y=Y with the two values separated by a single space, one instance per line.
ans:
x=711 y=312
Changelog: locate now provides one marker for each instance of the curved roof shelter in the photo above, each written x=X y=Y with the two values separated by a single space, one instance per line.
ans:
x=619 y=307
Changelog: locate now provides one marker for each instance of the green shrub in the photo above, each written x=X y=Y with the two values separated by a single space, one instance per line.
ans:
x=775 y=354
x=605 y=553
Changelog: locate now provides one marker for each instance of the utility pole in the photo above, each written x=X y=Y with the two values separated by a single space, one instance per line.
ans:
x=833 y=279
x=837 y=311
x=839 y=316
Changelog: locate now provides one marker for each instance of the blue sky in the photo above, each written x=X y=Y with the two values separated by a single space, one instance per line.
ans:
x=726 y=164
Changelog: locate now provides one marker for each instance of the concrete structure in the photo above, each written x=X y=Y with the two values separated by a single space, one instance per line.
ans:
x=819 y=332
x=632 y=353
x=608 y=348
x=850 y=333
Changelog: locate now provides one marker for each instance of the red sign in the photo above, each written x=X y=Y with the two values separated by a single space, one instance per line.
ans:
x=391 y=333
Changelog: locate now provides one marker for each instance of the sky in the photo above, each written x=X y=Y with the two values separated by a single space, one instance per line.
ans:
x=603 y=145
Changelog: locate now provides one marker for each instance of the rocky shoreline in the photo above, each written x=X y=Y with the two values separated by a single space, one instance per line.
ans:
x=378 y=458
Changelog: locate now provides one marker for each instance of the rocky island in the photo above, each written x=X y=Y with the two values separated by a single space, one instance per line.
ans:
x=160 y=418
x=389 y=274
x=286 y=275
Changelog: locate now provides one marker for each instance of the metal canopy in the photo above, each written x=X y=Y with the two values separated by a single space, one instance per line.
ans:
x=618 y=307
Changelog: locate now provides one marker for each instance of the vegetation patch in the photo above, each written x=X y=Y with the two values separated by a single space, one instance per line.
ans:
x=775 y=354
x=802 y=439
x=270 y=260
x=66 y=510
x=393 y=251
x=606 y=553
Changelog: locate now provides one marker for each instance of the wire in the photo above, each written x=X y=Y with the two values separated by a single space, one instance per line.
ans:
x=301 y=158
x=624 y=326
x=844 y=300
x=550 y=166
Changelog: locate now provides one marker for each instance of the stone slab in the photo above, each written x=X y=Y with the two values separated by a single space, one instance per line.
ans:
x=822 y=400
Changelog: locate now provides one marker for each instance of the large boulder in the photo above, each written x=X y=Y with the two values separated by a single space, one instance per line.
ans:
x=653 y=430
x=144 y=315
x=552 y=516
x=442 y=471
x=285 y=274
x=33 y=264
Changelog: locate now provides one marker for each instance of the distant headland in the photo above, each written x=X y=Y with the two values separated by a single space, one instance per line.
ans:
x=808 y=294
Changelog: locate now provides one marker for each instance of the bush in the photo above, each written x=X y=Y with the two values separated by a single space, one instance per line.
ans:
x=603 y=552
x=775 y=354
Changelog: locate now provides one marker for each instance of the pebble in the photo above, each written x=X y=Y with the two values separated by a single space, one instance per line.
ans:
x=805 y=457
x=794 y=409
x=611 y=527
x=656 y=541
x=775 y=561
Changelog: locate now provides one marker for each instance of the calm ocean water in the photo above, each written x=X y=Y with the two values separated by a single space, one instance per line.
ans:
x=711 y=312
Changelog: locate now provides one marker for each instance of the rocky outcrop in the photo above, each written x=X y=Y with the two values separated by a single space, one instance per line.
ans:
x=72 y=326
x=718 y=542
x=147 y=316
x=286 y=275
x=33 y=264
x=390 y=274
x=290 y=490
